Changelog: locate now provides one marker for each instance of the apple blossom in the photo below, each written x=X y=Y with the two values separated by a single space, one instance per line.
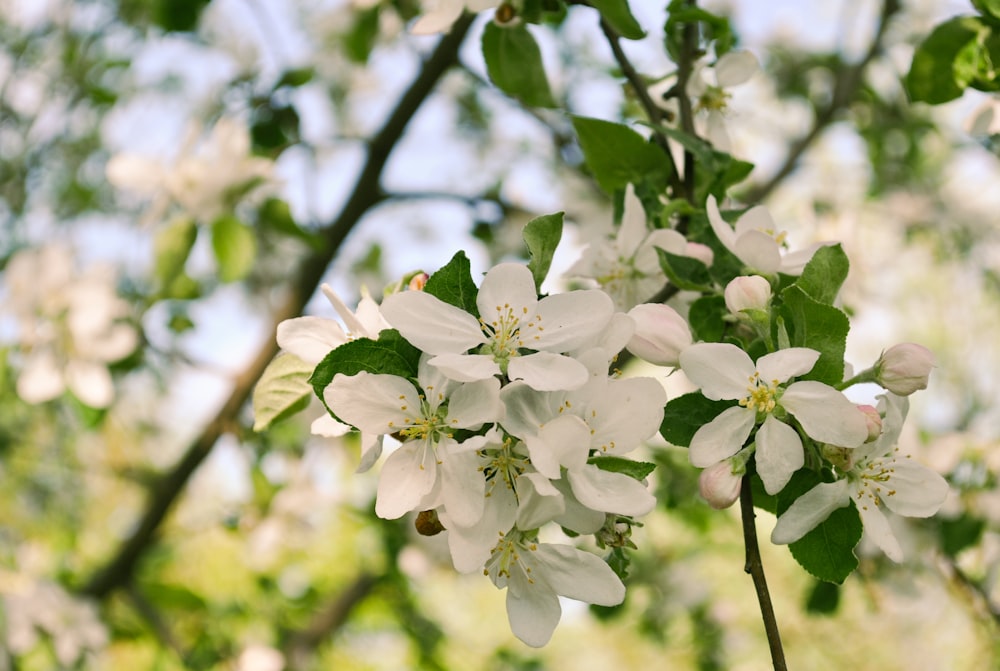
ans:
x=720 y=483
x=875 y=477
x=724 y=371
x=661 y=334
x=904 y=368
x=748 y=292
x=439 y=15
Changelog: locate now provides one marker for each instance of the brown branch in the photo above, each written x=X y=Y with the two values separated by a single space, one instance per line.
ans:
x=844 y=91
x=755 y=568
x=366 y=193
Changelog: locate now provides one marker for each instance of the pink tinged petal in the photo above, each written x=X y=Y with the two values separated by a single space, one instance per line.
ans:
x=532 y=609
x=310 y=338
x=913 y=490
x=878 y=530
x=475 y=403
x=723 y=371
x=40 y=379
x=408 y=474
x=90 y=382
x=373 y=403
x=546 y=371
x=466 y=367
x=806 y=513
x=627 y=413
x=759 y=252
x=779 y=454
x=661 y=334
x=735 y=68
x=463 y=487
x=668 y=240
x=507 y=286
x=579 y=575
x=568 y=321
x=539 y=501
x=614 y=338
x=825 y=414
x=610 y=492
x=723 y=231
x=432 y=325
x=722 y=437
x=633 y=229
x=563 y=442
x=786 y=364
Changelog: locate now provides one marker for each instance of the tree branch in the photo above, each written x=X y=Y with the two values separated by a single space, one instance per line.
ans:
x=755 y=568
x=366 y=193
x=844 y=91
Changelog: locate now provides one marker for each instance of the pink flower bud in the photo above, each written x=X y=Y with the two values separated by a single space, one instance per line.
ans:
x=749 y=292
x=703 y=253
x=418 y=281
x=660 y=334
x=874 y=421
x=719 y=485
x=904 y=368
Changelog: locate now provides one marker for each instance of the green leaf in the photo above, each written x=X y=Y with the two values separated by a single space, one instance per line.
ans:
x=946 y=61
x=514 y=64
x=685 y=272
x=826 y=552
x=453 y=284
x=171 y=248
x=989 y=8
x=820 y=327
x=634 y=469
x=542 y=235
x=960 y=533
x=282 y=391
x=618 y=156
x=360 y=39
x=391 y=354
x=178 y=15
x=823 y=599
x=171 y=596
x=823 y=276
x=684 y=415
x=619 y=16
x=275 y=214
x=706 y=318
x=235 y=247
x=296 y=77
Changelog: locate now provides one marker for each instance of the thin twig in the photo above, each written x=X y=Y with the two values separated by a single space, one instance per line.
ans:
x=755 y=568
x=119 y=569
x=156 y=622
x=844 y=91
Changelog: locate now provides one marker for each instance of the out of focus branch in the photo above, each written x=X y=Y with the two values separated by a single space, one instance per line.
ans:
x=844 y=90
x=366 y=193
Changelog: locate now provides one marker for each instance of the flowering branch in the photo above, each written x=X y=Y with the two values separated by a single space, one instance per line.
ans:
x=120 y=568
x=755 y=568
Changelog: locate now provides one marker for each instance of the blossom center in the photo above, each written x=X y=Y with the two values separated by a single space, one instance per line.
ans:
x=504 y=467
x=762 y=397
x=507 y=331
x=714 y=99
x=430 y=425
x=508 y=556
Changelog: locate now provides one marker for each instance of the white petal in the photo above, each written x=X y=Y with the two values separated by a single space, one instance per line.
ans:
x=629 y=412
x=539 y=501
x=578 y=517
x=716 y=131
x=327 y=426
x=578 y=575
x=463 y=487
x=759 y=252
x=475 y=404
x=792 y=263
x=563 y=442
x=569 y=321
x=430 y=324
x=878 y=530
x=470 y=546
x=809 y=510
x=533 y=610
x=825 y=413
x=373 y=403
x=466 y=367
x=546 y=371
x=722 y=437
x=779 y=454
x=786 y=364
x=440 y=19
x=913 y=489
x=722 y=370
x=507 y=286
x=371 y=450
x=407 y=475
x=668 y=240
x=633 y=229
x=90 y=382
x=610 y=492
x=735 y=68
x=135 y=173
x=723 y=231
x=527 y=410
x=40 y=379
x=310 y=338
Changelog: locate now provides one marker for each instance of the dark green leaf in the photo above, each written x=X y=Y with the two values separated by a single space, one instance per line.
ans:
x=685 y=272
x=706 y=318
x=619 y=16
x=945 y=62
x=823 y=276
x=541 y=236
x=820 y=327
x=178 y=15
x=823 y=599
x=360 y=39
x=514 y=64
x=989 y=8
x=684 y=415
x=960 y=533
x=391 y=354
x=296 y=77
x=618 y=156
x=453 y=284
x=275 y=214
x=634 y=469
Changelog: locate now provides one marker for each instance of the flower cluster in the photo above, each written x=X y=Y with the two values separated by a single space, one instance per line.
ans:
x=510 y=423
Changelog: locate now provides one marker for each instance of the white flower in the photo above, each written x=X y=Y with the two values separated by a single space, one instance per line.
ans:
x=537 y=574
x=439 y=15
x=628 y=267
x=724 y=371
x=511 y=319
x=71 y=326
x=757 y=242
x=425 y=419
x=874 y=475
x=207 y=182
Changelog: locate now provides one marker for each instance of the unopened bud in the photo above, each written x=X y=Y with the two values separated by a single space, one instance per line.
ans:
x=748 y=292
x=874 y=421
x=418 y=282
x=719 y=485
x=904 y=368
x=660 y=334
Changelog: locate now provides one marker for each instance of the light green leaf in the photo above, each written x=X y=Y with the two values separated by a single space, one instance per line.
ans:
x=454 y=285
x=820 y=327
x=282 y=391
x=617 y=155
x=541 y=236
x=947 y=61
x=514 y=64
x=235 y=247
x=619 y=16
x=825 y=273
x=637 y=470
x=171 y=248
